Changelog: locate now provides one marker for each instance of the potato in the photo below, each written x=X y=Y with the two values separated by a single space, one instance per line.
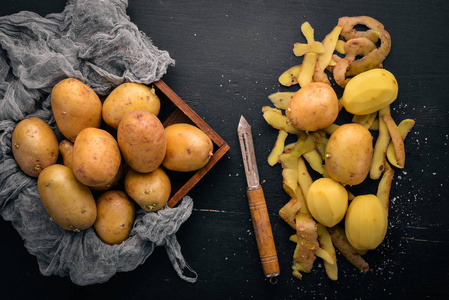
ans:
x=349 y=153
x=366 y=222
x=66 y=150
x=126 y=98
x=34 y=146
x=142 y=140
x=68 y=202
x=150 y=190
x=327 y=201
x=96 y=157
x=313 y=107
x=116 y=215
x=188 y=148
x=114 y=181
x=75 y=107
x=370 y=91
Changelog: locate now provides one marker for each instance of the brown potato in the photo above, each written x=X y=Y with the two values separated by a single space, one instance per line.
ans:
x=121 y=171
x=126 y=98
x=315 y=106
x=349 y=153
x=68 y=202
x=150 y=190
x=188 y=148
x=34 y=146
x=116 y=215
x=96 y=157
x=142 y=141
x=75 y=107
x=66 y=150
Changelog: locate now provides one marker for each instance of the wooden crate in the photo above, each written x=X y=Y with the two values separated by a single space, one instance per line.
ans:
x=175 y=110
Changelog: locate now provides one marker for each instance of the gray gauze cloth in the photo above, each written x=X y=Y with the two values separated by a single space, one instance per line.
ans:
x=95 y=42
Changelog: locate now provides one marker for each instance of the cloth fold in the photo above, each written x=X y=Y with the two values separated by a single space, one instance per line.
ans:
x=95 y=42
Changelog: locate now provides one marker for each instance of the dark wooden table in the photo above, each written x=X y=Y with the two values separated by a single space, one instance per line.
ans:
x=229 y=55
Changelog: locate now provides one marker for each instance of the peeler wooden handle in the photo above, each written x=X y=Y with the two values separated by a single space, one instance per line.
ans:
x=263 y=232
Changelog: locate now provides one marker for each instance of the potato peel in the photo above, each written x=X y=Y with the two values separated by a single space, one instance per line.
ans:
x=341 y=242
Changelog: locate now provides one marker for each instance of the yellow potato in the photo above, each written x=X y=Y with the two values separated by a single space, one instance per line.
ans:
x=327 y=201
x=116 y=215
x=188 y=148
x=150 y=190
x=142 y=140
x=68 y=202
x=370 y=91
x=366 y=222
x=313 y=107
x=349 y=153
x=126 y=98
x=75 y=107
x=34 y=146
x=66 y=150
x=96 y=157
x=114 y=181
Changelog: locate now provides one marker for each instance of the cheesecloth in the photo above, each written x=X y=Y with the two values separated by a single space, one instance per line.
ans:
x=95 y=42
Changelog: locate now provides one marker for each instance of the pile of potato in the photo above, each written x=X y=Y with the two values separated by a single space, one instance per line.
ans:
x=324 y=212
x=119 y=140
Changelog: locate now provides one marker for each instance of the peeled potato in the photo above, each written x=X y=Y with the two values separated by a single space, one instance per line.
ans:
x=315 y=106
x=366 y=222
x=370 y=91
x=34 y=146
x=126 y=98
x=327 y=201
x=349 y=153
x=188 y=148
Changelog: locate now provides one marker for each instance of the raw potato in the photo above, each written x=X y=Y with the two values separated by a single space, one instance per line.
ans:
x=75 y=107
x=188 y=148
x=114 y=181
x=313 y=107
x=34 y=146
x=66 y=150
x=327 y=201
x=116 y=215
x=150 y=190
x=126 y=98
x=142 y=140
x=349 y=153
x=366 y=222
x=369 y=92
x=96 y=157
x=68 y=202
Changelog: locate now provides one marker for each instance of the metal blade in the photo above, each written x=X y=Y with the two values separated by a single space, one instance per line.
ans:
x=248 y=154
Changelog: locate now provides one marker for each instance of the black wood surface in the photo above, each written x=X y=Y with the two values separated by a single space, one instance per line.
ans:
x=229 y=55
